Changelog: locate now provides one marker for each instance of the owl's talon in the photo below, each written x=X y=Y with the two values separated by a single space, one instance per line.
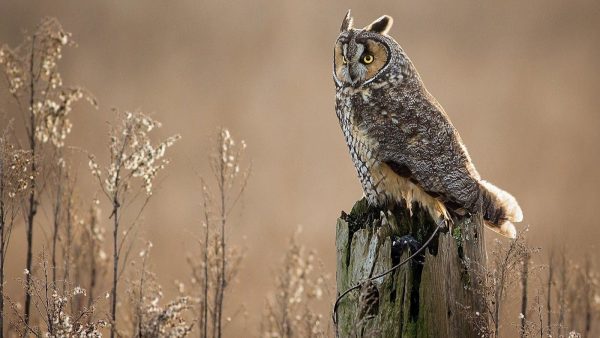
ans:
x=408 y=242
x=445 y=224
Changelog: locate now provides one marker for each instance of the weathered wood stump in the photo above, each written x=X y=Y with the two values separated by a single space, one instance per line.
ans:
x=431 y=298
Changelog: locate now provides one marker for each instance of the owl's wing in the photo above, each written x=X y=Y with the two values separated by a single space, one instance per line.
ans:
x=427 y=149
x=452 y=189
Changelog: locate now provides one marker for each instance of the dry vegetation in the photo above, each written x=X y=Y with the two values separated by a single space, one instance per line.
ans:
x=86 y=283
x=288 y=312
x=531 y=297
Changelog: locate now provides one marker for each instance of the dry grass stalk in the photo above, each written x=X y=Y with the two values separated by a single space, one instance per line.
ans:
x=84 y=260
x=151 y=320
x=133 y=159
x=54 y=308
x=583 y=295
x=532 y=322
x=540 y=314
x=591 y=296
x=225 y=164
x=14 y=181
x=58 y=215
x=219 y=263
x=577 y=296
x=495 y=282
x=62 y=197
x=31 y=72
x=91 y=253
x=503 y=273
x=562 y=293
x=525 y=262
x=288 y=312
x=549 y=286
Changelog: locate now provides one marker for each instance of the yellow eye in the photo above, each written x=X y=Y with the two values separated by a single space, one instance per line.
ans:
x=344 y=60
x=368 y=58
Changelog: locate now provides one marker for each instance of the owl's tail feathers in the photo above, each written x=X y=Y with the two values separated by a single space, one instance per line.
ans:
x=500 y=210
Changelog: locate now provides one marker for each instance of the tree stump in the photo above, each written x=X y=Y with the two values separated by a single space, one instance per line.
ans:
x=435 y=297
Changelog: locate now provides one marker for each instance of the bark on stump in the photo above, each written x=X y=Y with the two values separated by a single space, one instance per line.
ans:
x=432 y=299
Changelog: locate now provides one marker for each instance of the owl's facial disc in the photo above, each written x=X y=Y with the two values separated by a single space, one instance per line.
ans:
x=358 y=60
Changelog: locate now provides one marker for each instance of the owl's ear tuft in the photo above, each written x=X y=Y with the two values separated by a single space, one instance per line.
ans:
x=381 y=25
x=347 y=22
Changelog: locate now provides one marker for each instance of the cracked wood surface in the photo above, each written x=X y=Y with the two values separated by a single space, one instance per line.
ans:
x=428 y=300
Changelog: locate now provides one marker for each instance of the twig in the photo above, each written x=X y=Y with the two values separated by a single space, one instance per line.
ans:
x=549 y=292
x=32 y=196
x=524 y=280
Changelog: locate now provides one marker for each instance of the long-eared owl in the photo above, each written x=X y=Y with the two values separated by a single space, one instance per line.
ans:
x=402 y=143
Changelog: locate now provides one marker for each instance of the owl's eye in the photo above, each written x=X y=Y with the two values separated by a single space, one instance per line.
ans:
x=344 y=60
x=368 y=58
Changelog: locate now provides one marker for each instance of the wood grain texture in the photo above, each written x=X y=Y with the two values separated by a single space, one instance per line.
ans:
x=416 y=300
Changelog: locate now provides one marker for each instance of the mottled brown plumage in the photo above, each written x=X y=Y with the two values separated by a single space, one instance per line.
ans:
x=402 y=143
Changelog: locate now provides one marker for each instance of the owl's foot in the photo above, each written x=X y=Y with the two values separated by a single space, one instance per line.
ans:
x=408 y=242
x=445 y=225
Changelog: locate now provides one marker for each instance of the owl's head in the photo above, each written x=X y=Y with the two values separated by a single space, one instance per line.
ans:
x=362 y=55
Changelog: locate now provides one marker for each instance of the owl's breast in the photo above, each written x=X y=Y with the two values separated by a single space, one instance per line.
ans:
x=362 y=147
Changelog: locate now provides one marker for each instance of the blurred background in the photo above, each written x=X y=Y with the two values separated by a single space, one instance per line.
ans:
x=520 y=81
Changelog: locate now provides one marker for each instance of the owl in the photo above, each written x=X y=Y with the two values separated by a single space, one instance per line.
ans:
x=402 y=143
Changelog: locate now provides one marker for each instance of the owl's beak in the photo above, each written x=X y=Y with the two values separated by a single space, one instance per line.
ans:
x=355 y=73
